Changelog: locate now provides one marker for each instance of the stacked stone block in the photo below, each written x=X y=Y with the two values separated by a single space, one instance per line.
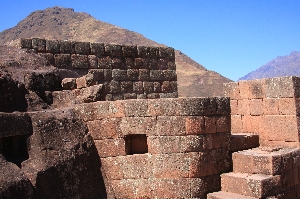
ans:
x=268 y=108
x=164 y=148
x=127 y=72
x=261 y=173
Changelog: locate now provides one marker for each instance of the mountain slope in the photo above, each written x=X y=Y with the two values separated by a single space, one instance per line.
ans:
x=64 y=24
x=281 y=66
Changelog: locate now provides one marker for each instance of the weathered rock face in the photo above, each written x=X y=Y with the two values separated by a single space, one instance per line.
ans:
x=63 y=157
x=12 y=94
x=13 y=182
x=48 y=154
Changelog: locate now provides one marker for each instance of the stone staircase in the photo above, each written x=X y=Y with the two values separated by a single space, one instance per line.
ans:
x=261 y=173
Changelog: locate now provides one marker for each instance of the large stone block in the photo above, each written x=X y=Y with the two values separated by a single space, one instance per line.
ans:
x=98 y=110
x=129 y=51
x=252 y=124
x=170 y=125
x=132 y=74
x=13 y=124
x=63 y=60
x=254 y=185
x=281 y=128
x=137 y=166
x=14 y=183
x=244 y=107
x=144 y=75
x=283 y=87
x=92 y=61
x=287 y=106
x=158 y=75
x=195 y=125
x=25 y=43
x=138 y=87
x=65 y=47
x=82 y=48
x=137 y=125
x=171 y=165
x=119 y=75
x=133 y=188
x=111 y=147
x=105 y=62
x=223 y=123
x=175 y=144
x=113 y=50
x=79 y=61
x=97 y=49
x=49 y=57
x=202 y=164
x=141 y=63
x=256 y=107
x=236 y=124
x=52 y=46
x=168 y=53
x=39 y=44
x=147 y=52
x=271 y=106
x=105 y=128
x=136 y=108
x=232 y=90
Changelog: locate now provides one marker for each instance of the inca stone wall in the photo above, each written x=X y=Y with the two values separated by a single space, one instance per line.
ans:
x=267 y=107
x=116 y=129
x=127 y=72
x=161 y=148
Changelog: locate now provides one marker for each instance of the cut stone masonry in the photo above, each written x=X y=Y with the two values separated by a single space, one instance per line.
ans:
x=126 y=72
x=117 y=129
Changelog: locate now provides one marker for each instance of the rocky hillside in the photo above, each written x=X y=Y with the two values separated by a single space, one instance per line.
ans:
x=65 y=24
x=281 y=66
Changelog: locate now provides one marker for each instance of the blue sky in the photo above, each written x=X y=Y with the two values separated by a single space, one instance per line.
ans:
x=231 y=37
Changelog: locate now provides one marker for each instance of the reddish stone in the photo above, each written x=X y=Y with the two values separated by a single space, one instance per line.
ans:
x=171 y=165
x=223 y=123
x=105 y=128
x=210 y=124
x=287 y=106
x=79 y=61
x=129 y=51
x=110 y=147
x=232 y=90
x=113 y=50
x=256 y=107
x=170 y=125
x=280 y=128
x=234 y=107
x=137 y=125
x=195 y=125
x=243 y=107
x=93 y=61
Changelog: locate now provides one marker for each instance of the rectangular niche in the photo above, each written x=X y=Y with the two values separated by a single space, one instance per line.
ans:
x=14 y=149
x=136 y=144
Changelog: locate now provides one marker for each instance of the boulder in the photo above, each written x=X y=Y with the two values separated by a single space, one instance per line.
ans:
x=12 y=94
x=13 y=182
x=63 y=160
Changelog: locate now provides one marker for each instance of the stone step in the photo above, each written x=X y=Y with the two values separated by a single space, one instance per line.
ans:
x=258 y=160
x=227 y=195
x=253 y=185
x=243 y=141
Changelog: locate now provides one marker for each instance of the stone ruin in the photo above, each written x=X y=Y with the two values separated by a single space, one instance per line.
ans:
x=115 y=128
